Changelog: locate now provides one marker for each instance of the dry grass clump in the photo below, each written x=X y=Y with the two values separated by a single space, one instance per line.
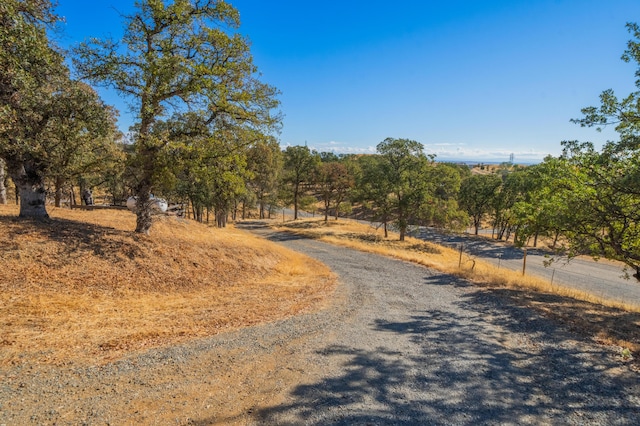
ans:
x=81 y=286
x=604 y=321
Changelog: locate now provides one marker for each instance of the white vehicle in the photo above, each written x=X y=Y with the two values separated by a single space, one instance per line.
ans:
x=157 y=204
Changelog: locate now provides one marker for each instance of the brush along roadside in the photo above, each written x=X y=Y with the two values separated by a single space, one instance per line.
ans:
x=81 y=287
x=604 y=321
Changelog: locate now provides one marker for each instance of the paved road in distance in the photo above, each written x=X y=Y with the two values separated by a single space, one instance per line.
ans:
x=603 y=279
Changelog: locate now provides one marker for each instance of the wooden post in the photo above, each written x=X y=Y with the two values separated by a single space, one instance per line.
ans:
x=524 y=261
x=460 y=260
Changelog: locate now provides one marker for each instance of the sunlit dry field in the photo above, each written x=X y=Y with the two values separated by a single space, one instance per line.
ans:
x=82 y=287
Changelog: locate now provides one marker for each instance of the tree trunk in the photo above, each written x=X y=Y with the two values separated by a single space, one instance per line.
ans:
x=295 y=202
x=143 y=209
x=72 y=197
x=555 y=240
x=30 y=185
x=326 y=210
x=58 y=194
x=221 y=218
x=3 y=188
x=402 y=225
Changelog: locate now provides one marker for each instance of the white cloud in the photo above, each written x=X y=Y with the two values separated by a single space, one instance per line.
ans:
x=443 y=152
x=341 y=148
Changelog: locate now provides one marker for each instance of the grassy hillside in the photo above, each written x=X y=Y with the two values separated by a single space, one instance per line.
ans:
x=82 y=287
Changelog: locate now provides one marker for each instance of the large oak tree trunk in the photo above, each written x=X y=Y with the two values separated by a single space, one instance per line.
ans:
x=143 y=209
x=30 y=185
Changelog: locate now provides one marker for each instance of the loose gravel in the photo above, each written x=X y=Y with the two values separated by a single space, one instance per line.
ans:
x=399 y=345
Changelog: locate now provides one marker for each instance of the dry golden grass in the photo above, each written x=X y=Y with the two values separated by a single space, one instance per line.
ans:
x=81 y=287
x=604 y=321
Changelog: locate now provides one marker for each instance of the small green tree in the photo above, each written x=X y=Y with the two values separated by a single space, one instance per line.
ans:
x=476 y=195
x=265 y=162
x=333 y=182
x=504 y=218
x=372 y=189
x=299 y=165
x=441 y=208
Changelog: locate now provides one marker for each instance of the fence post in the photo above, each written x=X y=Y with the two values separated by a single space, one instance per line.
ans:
x=524 y=261
x=460 y=260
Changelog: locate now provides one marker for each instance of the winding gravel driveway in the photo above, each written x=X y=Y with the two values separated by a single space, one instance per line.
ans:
x=399 y=345
x=419 y=347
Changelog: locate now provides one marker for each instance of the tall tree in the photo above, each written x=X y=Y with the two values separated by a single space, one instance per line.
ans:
x=510 y=192
x=82 y=138
x=178 y=55
x=541 y=210
x=476 y=195
x=333 y=182
x=299 y=165
x=441 y=207
x=603 y=194
x=405 y=170
x=32 y=73
x=372 y=190
x=265 y=162
x=607 y=184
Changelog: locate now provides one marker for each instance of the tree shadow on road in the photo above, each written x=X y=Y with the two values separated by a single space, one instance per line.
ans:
x=482 y=364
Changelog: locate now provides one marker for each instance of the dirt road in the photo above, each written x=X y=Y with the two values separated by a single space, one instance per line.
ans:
x=399 y=345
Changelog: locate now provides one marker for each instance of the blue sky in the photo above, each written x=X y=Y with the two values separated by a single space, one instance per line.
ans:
x=470 y=80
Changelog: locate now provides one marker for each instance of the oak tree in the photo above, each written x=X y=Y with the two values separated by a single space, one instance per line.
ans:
x=404 y=170
x=299 y=165
x=476 y=195
x=605 y=197
x=31 y=73
x=177 y=56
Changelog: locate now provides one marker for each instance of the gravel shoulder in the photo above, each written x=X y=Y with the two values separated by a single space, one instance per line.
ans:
x=399 y=344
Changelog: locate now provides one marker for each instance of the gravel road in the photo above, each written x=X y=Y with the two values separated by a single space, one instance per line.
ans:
x=425 y=348
x=399 y=345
